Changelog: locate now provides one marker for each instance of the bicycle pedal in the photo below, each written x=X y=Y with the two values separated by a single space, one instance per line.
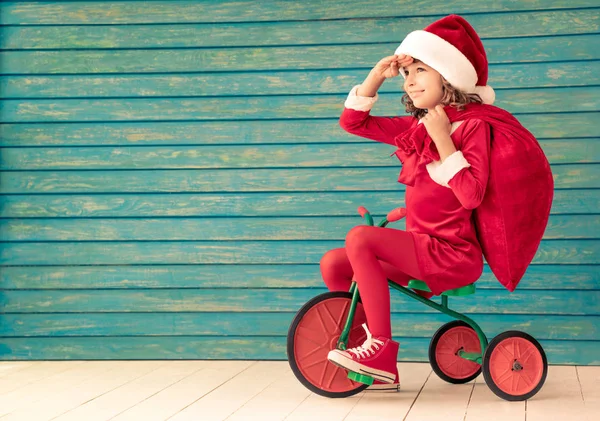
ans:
x=360 y=378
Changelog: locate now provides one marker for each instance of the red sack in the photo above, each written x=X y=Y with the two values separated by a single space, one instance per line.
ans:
x=513 y=216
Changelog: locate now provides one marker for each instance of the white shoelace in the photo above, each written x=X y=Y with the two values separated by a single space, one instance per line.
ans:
x=366 y=349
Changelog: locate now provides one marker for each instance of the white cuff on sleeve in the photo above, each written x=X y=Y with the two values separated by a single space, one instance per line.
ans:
x=360 y=103
x=451 y=166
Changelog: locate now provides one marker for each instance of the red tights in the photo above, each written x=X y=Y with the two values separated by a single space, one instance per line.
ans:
x=371 y=256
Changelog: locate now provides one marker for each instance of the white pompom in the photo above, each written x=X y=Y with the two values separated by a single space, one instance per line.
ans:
x=486 y=93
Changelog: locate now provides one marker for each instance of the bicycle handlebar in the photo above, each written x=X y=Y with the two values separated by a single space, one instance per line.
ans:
x=362 y=211
x=396 y=214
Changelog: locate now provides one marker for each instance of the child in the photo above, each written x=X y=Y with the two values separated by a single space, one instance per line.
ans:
x=444 y=67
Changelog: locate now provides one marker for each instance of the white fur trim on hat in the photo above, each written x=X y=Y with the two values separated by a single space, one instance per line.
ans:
x=486 y=93
x=446 y=59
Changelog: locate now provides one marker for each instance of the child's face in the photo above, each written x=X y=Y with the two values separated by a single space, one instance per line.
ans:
x=421 y=77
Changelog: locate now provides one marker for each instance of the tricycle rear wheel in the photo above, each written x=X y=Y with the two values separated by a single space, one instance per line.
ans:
x=515 y=366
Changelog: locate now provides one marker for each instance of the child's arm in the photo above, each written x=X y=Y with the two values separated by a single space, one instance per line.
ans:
x=466 y=171
x=356 y=118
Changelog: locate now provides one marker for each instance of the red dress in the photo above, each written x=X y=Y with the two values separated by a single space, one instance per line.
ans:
x=441 y=202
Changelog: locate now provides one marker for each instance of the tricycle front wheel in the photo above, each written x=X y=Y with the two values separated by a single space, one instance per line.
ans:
x=313 y=333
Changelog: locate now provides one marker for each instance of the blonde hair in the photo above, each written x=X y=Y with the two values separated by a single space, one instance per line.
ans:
x=451 y=96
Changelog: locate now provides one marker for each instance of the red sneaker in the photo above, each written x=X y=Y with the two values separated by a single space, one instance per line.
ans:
x=376 y=358
x=378 y=386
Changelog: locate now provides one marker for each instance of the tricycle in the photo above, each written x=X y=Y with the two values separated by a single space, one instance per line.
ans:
x=513 y=363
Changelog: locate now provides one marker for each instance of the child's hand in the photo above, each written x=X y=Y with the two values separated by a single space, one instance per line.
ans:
x=391 y=66
x=437 y=124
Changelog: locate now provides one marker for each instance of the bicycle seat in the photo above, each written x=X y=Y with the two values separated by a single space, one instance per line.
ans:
x=457 y=292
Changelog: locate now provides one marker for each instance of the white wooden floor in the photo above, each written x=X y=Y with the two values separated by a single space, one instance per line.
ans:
x=251 y=390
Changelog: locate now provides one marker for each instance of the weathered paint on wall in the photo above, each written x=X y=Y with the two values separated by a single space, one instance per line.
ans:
x=173 y=171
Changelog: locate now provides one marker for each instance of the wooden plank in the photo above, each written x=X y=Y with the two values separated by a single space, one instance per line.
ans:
x=560 y=397
x=484 y=404
x=224 y=401
x=184 y=393
x=231 y=348
x=120 y=399
x=13 y=367
x=233 y=229
x=455 y=398
x=385 y=404
x=278 y=180
x=54 y=385
x=328 y=409
x=228 y=252
x=538 y=276
x=371 y=154
x=275 y=402
x=564 y=22
x=526 y=49
x=544 y=126
x=16 y=230
x=334 y=204
x=549 y=326
x=529 y=75
x=278 y=300
x=391 y=406
x=115 y=375
x=91 y=12
x=580 y=99
x=571 y=352
x=36 y=372
x=589 y=378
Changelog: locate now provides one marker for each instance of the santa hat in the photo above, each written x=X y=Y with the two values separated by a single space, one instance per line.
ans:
x=452 y=47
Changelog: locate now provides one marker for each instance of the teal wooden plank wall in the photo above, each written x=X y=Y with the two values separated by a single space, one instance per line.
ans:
x=172 y=172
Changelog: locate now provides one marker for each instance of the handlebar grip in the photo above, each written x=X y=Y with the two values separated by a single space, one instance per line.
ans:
x=362 y=211
x=396 y=214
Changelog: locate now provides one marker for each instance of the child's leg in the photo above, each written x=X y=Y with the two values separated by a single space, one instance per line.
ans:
x=367 y=247
x=337 y=271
